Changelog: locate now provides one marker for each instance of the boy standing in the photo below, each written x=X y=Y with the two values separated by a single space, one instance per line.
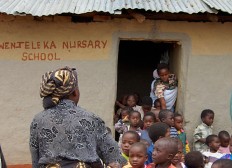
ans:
x=213 y=142
x=164 y=151
x=203 y=130
x=155 y=132
x=167 y=116
x=178 y=124
x=137 y=156
x=148 y=120
x=128 y=138
x=194 y=159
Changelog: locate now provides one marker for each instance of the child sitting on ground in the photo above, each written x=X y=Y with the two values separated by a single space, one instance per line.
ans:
x=164 y=151
x=203 y=130
x=177 y=160
x=178 y=124
x=137 y=156
x=212 y=141
x=155 y=132
x=156 y=110
x=167 y=116
x=194 y=159
x=128 y=139
x=134 y=120
x=148 y=120
x=224 y=138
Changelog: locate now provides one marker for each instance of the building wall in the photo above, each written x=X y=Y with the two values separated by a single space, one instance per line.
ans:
x=205 y=62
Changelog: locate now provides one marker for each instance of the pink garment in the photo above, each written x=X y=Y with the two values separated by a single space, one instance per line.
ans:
x=225 y=150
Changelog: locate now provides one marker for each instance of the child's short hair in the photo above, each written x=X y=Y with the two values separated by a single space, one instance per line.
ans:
x=223 y=134
x=149 y=114
x=170 y=143
x=141 y=145
x=146 y=100
x=164 y=113
x=132 y=95
x=134 y=133
x=177 y=115
x=162 y=66
x=157 y=130
x=223 y=163
x=194 y=159
x=129 y=109
x=156 y=101
x=206 y=112
x=132 y=112
x=210 y=139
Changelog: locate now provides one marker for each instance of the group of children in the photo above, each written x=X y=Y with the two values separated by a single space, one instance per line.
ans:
x=155 y=138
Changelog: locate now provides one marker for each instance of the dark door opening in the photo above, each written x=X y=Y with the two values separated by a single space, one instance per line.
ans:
x=136 y=62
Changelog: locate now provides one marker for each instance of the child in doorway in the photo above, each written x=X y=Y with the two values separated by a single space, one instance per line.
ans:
x=123 y=120
x=137 y=156
x=121 y=103
x=178 y=124
x=224 y=138
x=134 y=120
x=155 y=132
x=148 y=120
x=177 y=160
x=156 y=110
x=131 y=101
x=146 y=105
x=164 y=151
x=128 y=139
x=167 y=117
x=194 y=159
x=213 y=142
x=203 y=130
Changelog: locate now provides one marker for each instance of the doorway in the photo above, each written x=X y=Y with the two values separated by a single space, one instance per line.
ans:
x=136 y=62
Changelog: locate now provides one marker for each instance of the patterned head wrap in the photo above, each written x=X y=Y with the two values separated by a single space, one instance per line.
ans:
x=58 y=84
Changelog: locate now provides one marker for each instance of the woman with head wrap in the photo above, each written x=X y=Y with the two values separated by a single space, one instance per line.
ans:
x=165 y=87
x=65 y=135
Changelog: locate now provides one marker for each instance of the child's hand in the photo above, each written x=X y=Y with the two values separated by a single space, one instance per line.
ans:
x=125 y=119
